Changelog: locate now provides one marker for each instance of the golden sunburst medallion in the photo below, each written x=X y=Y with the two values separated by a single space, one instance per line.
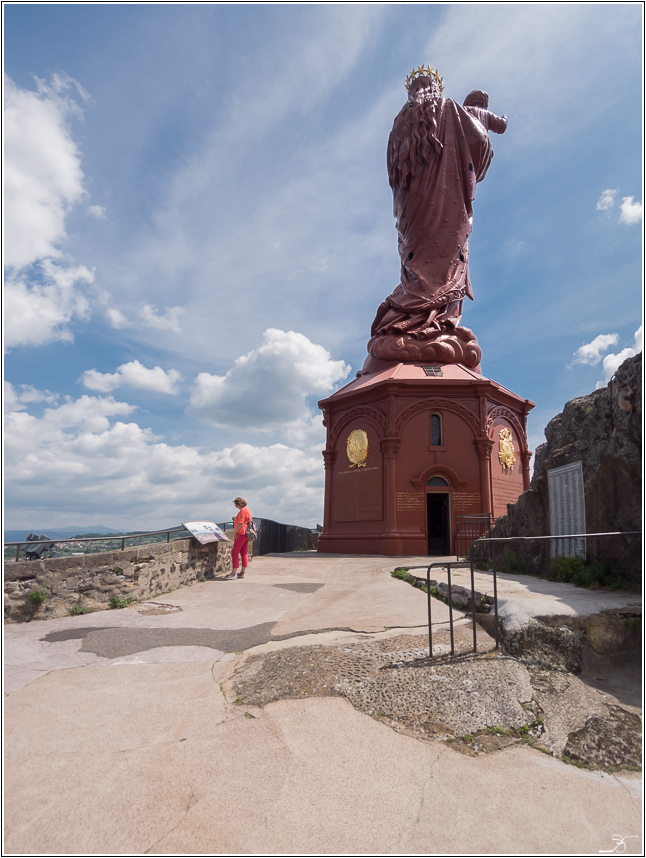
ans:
x=357 y=448
x=506 y=449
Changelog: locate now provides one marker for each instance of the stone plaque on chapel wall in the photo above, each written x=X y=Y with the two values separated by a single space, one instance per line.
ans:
x=567 y=509
x=358 y=494
x=358 y=478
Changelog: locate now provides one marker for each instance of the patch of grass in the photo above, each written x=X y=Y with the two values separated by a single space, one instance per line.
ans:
x=117 y=571
x=592 y=574
x=635 y=624
x=238 y=701
x=117 y=602
x=37 y=597
x=402 y=574
x=201 y=579
x=514 y=564
x=78 y=608
x=565 y=758
x=496 y=731
x=529 y=741
x=468 y=737
x=580 y=571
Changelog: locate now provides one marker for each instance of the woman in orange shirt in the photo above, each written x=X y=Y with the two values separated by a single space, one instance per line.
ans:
x=241 y=543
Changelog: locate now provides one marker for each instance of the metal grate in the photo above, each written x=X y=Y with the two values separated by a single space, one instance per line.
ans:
x=433 y=370
x=468 y=528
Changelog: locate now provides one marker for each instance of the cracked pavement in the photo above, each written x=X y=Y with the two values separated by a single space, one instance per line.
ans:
x=136 y=731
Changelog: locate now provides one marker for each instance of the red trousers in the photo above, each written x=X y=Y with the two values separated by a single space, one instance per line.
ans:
x=240 y=548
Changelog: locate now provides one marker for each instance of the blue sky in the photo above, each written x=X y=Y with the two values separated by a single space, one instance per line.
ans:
x=198 y=231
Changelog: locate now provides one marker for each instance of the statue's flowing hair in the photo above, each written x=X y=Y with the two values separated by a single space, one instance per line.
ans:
x=412 y=138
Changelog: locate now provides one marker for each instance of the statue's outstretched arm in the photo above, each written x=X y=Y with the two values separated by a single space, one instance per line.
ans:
x=497 y=124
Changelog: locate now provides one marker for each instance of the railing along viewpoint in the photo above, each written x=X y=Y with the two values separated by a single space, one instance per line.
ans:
x=470 y=563
x=50 y=543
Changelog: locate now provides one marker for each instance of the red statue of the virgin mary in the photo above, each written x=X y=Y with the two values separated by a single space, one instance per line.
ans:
x=437 y=151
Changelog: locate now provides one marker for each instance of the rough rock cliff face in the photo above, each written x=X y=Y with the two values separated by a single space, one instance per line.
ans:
x=603 y=431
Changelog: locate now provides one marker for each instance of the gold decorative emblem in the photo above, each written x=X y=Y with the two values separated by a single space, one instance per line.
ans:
x=357 y=448
x=506 y=450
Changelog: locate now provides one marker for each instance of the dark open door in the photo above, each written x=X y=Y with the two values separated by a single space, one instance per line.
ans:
x=437 y=516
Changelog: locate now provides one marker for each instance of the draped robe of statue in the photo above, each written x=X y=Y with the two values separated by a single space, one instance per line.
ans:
x=437 y=151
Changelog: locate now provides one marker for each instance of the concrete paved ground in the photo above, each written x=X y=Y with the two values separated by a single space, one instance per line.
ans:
x=119 y=738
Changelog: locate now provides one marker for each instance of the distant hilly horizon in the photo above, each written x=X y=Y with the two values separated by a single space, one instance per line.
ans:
x=60 y=532
x=65 y=532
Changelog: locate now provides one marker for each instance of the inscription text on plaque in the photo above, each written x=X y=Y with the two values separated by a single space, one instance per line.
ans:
x=567 y=509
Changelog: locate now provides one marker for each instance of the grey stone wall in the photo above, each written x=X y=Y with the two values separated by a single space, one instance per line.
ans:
x=91 y=581
x=603 y=432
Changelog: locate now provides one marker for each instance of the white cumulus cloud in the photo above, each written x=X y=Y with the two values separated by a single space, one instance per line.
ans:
x=631 y=212
x=168 y=322
x=96 y=211
x=591 y=352
x=117 y=319
x=269 y=386
x=39 y=312
x=607 y=199
x=612 y=362
x=18 y=400
x=82 y=462
x=135 y=375
x=45 y=292
x=42 y=170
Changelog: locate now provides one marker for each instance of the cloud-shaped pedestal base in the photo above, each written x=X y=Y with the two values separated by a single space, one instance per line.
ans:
x=460 y=346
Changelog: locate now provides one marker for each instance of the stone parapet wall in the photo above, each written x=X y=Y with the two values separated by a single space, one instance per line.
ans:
x=91 y=581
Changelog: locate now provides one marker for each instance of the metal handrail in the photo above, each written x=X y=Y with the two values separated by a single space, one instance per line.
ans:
x=52 y=542
x=448 y=566
x=491 y=539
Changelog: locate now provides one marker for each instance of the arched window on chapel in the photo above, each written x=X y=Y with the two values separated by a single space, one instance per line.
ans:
x=436 y=430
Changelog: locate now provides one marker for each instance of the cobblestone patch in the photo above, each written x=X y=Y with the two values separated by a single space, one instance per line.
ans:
x=478 y=703
x=393 y=680
x=609 y=743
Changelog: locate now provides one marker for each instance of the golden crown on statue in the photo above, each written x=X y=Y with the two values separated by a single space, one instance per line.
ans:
x=424 y=71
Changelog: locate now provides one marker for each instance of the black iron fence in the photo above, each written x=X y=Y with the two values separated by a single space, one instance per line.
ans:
x=273 y=537
x=492 y=541
x=276 y=538
x=42 y=546
x=468 y=528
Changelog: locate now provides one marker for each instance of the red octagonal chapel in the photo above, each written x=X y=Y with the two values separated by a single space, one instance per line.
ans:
x=412 y=451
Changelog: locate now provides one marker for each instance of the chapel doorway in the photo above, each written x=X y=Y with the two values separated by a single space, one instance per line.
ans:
x=437 y=523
